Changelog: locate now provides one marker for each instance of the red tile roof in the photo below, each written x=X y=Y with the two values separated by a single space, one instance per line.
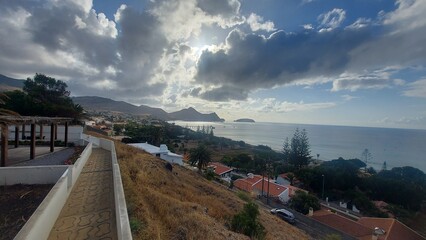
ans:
x=247 y=184
x=219 y=168
x=394 y=229
x=363 y=228
x=342 y=224
x=255 y=182
x=274 y=189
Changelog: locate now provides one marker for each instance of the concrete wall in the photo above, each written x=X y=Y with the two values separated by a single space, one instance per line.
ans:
x=41 y=222
x=122 y=218
x=88 y=138
x=284 y=197
x=79 y=164
x=171 y=159
x=31 y=174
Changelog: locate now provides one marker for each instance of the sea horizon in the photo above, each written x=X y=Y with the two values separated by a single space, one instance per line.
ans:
x=397 y=146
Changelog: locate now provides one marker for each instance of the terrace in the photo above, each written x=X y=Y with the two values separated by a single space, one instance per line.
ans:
x=85 y=197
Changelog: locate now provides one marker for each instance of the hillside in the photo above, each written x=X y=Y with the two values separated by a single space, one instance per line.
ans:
x=10 y=84
x=190 y=114
x=106 y=104
x=182 y=204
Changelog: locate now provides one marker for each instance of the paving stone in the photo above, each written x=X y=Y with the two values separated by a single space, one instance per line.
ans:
x=89 y=212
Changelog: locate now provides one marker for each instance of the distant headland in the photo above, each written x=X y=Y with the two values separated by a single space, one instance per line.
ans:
x=244 y=120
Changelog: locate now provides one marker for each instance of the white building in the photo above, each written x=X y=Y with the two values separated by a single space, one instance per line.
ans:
x=161 y=152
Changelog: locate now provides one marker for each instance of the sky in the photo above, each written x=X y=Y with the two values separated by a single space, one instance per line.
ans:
x=358 y=62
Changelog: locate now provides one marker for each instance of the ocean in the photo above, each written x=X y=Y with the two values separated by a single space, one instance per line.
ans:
x=398 y=147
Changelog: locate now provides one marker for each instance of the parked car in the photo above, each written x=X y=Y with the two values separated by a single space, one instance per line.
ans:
x=284 y=214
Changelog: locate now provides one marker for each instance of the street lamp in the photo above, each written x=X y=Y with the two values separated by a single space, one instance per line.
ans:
x=322 y=187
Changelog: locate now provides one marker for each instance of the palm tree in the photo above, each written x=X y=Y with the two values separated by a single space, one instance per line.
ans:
x=199 y=156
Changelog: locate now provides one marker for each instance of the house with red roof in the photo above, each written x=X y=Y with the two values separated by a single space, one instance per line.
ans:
x=221 y=170
x=256 y=184
x=367 y=228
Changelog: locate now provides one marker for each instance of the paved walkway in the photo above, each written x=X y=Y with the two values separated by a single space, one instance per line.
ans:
x=56 y=158
x=89 y=212
x=22 y=154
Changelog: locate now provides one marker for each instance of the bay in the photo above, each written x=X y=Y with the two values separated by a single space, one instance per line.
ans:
x=398 y=147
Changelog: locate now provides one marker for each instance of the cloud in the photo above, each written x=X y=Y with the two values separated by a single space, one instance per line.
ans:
x=416 y=89
x=377 y=79
x=136 y=55
x=399 y=39
x=248 y=61
x=272 y=105
x=360 y=23
x=410 y=122
x=256 y=23
x=348 y=97
x=308 y=26
x=332 y=19
x=226 y=8
x=150 y=53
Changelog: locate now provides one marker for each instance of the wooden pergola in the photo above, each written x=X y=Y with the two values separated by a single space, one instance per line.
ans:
x=17 y=121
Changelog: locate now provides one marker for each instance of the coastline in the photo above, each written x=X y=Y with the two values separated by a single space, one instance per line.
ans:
x=398 y=147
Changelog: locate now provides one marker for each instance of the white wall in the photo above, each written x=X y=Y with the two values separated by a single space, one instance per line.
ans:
x=31 y=174
x=284 y=197
x=171 y=159
x=41 y=222
x=122 y=218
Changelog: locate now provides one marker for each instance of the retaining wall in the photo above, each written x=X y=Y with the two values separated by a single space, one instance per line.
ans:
x=41 y=222
x=122 y=218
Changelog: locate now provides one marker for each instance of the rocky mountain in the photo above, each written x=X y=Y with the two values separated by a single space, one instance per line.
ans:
x=106 y=104
x=190 y=114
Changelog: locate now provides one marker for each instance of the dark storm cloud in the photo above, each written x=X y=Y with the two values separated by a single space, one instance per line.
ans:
x=225 y=93
x=253 y=61
x=224 y=8
x=141 y=45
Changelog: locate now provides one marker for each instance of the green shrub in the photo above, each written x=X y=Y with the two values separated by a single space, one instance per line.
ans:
x=246 y=222
x=135 y=225
x=243 y=196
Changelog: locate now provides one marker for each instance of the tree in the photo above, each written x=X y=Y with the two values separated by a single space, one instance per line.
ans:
x=199 y=156
x=45 y=89
x=302 y=201
x=43 y=96
x=297 y=151
x=366 y=156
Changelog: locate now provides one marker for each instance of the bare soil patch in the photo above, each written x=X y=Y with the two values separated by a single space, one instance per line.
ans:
x=17 y=204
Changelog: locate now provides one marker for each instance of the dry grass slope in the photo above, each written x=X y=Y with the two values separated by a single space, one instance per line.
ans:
x=182 y=204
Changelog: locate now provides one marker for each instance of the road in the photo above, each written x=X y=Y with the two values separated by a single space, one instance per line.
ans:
x=313 y=228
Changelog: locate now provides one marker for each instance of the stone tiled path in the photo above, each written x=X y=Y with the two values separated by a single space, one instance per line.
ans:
x=89 y=212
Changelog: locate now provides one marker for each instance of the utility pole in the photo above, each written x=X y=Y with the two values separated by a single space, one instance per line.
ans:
x=323 y=180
